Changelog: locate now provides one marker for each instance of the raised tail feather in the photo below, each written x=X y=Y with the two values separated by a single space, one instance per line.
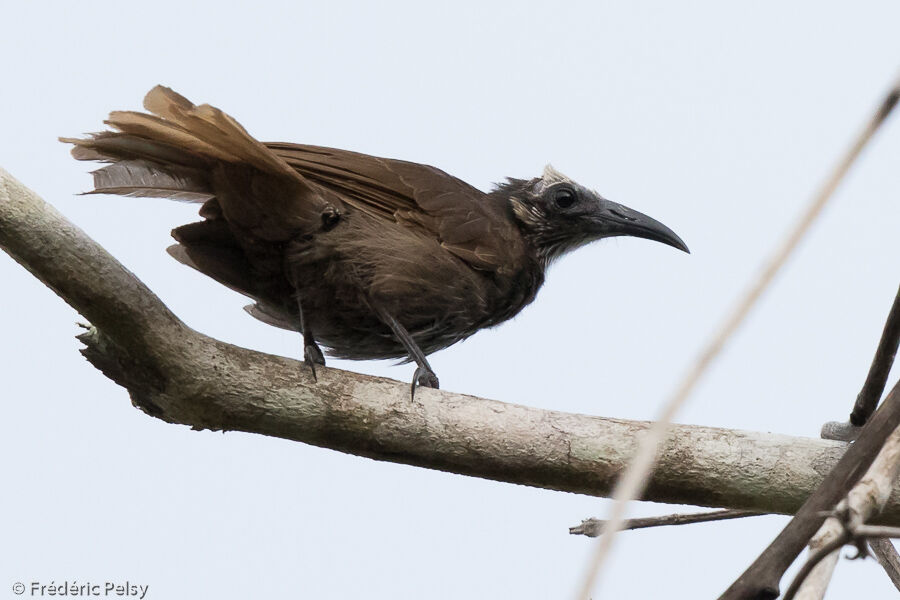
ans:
x=180 y=138
x=177 y=153
x=143 y=179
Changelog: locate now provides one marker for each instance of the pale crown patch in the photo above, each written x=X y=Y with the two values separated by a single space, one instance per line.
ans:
x=552 y=176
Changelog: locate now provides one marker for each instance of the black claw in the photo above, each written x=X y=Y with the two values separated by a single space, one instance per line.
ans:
x=313 y=356
x=312 y=369
x=425 y=378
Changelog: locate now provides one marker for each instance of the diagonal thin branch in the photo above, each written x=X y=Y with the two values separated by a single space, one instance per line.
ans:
x=817 y=580
x=634 y=481
x=872 y=389
x=876 y=379
x=862 y=503
x=815 y=583
x=866 y=536
x=815 y=559
x=761 y=578
x=887 y=555
x=595 y=527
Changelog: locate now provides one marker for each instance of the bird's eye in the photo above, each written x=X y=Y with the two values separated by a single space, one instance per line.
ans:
x=564 y=197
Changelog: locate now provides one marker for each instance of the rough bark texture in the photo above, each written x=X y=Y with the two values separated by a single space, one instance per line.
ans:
x=182 y=376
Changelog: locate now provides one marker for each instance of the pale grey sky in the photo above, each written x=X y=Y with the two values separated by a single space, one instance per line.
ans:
x=718 y=119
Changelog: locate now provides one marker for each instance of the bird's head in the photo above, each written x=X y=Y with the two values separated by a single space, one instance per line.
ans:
x=557 y=215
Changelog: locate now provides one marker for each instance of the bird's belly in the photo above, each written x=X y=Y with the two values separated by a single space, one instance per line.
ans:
x=343 y=319
x=365 y=339
x=435 y=296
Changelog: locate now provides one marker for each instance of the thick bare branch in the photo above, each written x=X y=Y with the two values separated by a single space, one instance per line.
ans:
x=182 y=376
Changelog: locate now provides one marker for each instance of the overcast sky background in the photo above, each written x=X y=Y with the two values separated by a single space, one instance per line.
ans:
x=716 y=118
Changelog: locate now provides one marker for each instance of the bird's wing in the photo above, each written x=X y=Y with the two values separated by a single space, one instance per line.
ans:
x=462 y=217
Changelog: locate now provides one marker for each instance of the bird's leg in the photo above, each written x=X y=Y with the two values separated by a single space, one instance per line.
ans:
x=312 y=354
x=424 y=374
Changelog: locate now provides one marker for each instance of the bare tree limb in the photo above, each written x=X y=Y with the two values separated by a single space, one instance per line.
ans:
x=760 y=580
x=880 y=475
x=807 y=586
x=828 y=550
x=872 y=389
x=863 y=502
x=816 y=582
x=595 y=527
x=181 y=376
x=868 y=397
x=887 y=555
x=873 y=461
x=814 y=585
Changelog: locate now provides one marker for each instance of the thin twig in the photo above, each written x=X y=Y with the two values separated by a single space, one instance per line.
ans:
x=876 y=531
x=814 y=560
x=887 y=556
x=633 y=483
x=876 y=379
x=595 y=527
x=816 y=583
x=865 y=475
x=858 y=535
x=862 y=504
x=872 y=389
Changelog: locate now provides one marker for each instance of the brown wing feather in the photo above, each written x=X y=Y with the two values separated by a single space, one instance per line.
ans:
x=465 y=219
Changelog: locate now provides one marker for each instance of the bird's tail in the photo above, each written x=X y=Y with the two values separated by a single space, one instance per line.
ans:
x=252 y=200
x=171 y=152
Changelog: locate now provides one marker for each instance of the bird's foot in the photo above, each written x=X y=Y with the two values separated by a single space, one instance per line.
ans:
x=424 y=377
x=313 y=356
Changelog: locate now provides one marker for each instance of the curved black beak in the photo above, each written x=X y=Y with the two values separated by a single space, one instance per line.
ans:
x=613 y=219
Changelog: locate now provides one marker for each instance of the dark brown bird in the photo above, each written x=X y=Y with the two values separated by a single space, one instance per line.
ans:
x=370 y=257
